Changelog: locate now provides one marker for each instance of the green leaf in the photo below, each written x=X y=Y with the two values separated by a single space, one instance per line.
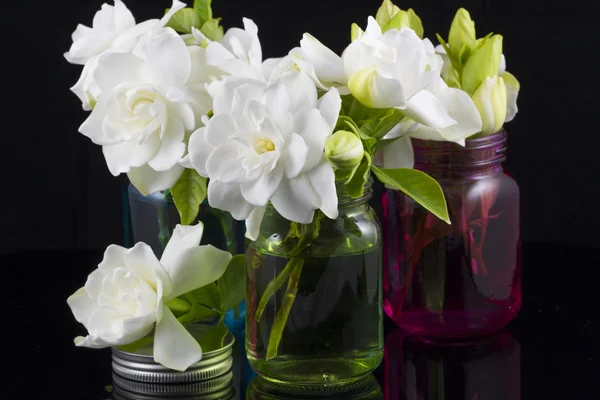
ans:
x=188 y=194
x=345 y=123
x=419 y=186
x=178 y=305
x=184 y=20
x=369 y=143
x=209 y=296
x=451 y=56
x=213 y=338
x=137 y=345
x=381 y=126
x=204 y=10
x=356 y=185
x=198 y=313
x=212 y=30
x=233 y=283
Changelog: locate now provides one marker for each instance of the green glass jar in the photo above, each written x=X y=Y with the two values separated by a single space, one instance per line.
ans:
x=313 y=296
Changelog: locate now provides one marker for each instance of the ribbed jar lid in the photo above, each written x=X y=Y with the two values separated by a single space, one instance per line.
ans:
x=220 y=388
x=140 y=366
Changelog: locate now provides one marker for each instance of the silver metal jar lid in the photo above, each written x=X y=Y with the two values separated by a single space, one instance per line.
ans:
x=220 y=388
x=140 y=366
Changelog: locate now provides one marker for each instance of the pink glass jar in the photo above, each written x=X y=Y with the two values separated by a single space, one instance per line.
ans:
x=458 y=280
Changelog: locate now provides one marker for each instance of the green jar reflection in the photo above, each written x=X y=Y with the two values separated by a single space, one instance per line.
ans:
x=313 y=296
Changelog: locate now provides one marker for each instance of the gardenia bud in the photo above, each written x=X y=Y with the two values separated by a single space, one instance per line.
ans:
x=391 y=16
x=490 y=100
x=386 y=12
x=462 y=33
x=345 y=151
x=483 y=63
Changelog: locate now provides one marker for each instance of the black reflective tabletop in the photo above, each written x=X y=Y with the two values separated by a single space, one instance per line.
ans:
x=551 y=351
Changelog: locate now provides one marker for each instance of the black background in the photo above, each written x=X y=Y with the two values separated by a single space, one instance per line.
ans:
x=59 y=194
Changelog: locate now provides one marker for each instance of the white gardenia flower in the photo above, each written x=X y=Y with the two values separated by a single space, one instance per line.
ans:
x=265 y=143
x=316 y=60
x=145 y=108
x=393 y=70
x=460 y=107
x=114 y=30
x=124 y=299
x=239 y=53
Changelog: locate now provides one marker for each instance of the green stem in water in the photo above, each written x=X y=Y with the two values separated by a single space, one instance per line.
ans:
x=272 y=288
x=284 y=312
x=278 y=282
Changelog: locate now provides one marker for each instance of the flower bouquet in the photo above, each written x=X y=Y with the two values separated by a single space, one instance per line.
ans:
x=290 y=146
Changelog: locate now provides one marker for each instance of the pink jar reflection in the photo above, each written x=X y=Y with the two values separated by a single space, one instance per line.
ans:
x=486 y=368
x=463 y=279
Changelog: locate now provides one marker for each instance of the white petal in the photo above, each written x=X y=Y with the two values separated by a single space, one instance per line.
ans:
x=86 y=80
x=196 y=268
x=148 y=181
x=314 y=130
x=328 y=65
x=502 y=68
x=373 y=30
x=228 y=197
x=118 y=157
x=461 y=108
x=426 y=109
x=219 y=129
x=295 y=156
x=405 y=127
x=117 y=68
x=255 y=49
x=296 y=200
x=322 y=179
x=176 y=6
x=302 y=92
x=277 y=101
x=142 y=260
x=183 y=238
x=224 y=165
x=145 y=151
x=260 y=191
x=330 y=105
x=399 y=154
x=93 y=125
x=172 y=147
x=199 y=150
x=81 y=304
x=88 y=46
x=268 y=66
x=174 y=346
x=167 y=56
x=253 y=223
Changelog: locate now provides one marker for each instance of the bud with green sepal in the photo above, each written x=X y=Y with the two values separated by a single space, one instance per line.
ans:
x=345 y=151
x=483 y=63
x=491 y=102
x=462 y=38
x=389 y=16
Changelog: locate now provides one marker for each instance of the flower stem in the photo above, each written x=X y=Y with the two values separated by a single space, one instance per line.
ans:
x=272 y=288
x=278 y=282
x=284 y=312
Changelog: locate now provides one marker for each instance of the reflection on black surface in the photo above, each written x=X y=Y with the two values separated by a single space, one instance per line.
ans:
x=216 y=389
x=367 y=389
x=487 y=368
